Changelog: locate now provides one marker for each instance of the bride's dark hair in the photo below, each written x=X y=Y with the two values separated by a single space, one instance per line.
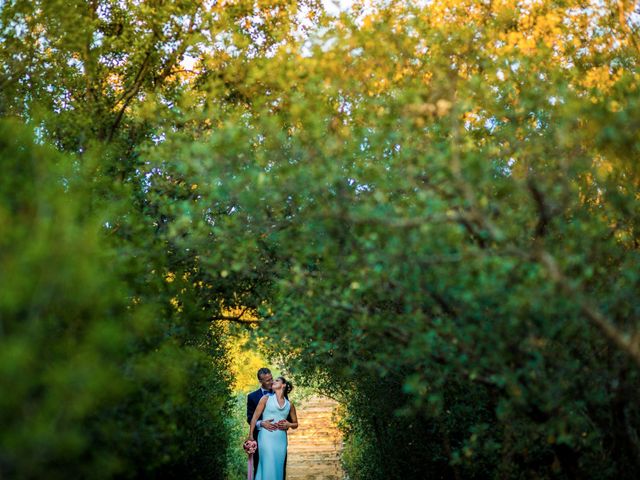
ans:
x=288 y=386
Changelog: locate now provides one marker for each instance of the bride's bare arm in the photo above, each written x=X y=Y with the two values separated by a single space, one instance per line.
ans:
x=256 y=415
x=294 y=418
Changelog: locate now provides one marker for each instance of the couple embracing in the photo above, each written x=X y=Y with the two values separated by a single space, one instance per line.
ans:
x=270 y=415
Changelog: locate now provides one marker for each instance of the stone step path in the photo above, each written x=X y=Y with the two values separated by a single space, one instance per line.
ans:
x=315 y=447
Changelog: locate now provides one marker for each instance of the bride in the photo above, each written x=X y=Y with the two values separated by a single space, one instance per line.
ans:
x=272 y=445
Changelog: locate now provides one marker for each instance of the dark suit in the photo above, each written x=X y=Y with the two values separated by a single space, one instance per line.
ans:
x=252 y=403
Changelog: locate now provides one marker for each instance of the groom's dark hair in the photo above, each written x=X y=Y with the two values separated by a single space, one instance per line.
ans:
x=263 y=371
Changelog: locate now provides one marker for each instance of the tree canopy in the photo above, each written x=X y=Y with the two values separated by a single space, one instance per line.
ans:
x=427 y=209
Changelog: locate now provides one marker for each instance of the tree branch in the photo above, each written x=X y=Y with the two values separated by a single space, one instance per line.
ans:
x=236 y=320
x=175 y=56
x=544 y=211
x=630 y=344
x=129 y=94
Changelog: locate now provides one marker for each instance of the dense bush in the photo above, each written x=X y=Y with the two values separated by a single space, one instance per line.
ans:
x=110 y=367
x=93 y=387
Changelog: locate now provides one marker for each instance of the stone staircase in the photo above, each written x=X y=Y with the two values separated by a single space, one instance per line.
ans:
x=314 y=448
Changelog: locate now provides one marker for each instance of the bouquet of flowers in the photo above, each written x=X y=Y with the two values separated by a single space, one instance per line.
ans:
x=250 y=446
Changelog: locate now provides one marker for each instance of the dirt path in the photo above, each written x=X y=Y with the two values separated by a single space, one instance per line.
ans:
x=315 y=447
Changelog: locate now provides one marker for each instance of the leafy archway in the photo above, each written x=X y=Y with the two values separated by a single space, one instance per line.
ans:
x=427 y=210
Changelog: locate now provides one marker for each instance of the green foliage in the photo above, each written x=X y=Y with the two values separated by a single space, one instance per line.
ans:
x=236 y=457
x=464 y=243
x=101 y=313
x=89 y=387
x=62 y=324
x=431 y=210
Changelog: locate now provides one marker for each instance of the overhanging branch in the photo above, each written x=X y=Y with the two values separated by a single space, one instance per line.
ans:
x=236 y=320
x=630 y=344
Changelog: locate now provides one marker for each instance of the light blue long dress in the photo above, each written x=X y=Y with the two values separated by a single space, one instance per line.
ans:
x=272 y=445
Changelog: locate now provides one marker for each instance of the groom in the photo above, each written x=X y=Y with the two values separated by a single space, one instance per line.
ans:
x=266 y=381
